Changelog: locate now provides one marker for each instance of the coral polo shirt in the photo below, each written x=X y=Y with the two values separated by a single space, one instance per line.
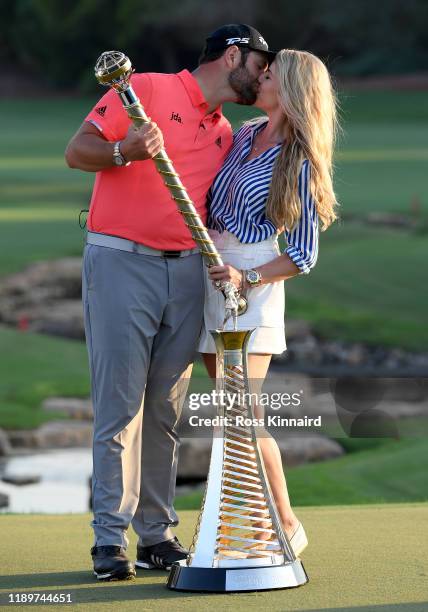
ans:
x=132 y=201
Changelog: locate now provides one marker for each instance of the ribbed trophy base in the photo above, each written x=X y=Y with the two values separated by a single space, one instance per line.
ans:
x=223 y=580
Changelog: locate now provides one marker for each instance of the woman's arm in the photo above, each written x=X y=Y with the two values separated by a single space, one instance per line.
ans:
x=280 y=268
x=301 y=253
x=302 y=241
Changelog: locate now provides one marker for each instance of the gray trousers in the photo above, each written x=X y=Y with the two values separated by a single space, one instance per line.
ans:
x=143 y=316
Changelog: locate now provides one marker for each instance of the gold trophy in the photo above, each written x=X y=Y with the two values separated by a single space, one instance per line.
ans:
x=239 y=543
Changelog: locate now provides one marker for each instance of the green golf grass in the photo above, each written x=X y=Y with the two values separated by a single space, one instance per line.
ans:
x=366 y=287
x=38 y=366
x=359 y=559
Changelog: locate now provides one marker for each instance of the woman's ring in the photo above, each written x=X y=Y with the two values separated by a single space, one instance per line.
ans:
x=217 y=284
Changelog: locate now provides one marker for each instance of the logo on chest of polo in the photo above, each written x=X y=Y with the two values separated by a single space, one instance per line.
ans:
x=175 y=117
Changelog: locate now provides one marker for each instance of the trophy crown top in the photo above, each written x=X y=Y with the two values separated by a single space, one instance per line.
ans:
x=114 y=69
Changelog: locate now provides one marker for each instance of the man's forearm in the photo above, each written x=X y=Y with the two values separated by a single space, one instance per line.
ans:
x=89 y=152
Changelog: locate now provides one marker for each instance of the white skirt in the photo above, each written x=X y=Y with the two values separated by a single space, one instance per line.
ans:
x=265 y=303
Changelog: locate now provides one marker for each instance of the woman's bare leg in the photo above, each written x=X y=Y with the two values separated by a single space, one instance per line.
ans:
x=257 y=368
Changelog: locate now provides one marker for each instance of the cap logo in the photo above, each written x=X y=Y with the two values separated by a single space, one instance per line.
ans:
x=233 y=41
x=262 y=40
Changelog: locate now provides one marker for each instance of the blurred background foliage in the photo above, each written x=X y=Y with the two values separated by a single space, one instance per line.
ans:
x=56 y=41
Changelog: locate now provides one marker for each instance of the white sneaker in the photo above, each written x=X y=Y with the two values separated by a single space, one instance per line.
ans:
x=299 y=540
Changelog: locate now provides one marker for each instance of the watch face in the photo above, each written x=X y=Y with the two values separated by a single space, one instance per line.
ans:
x=252 y=276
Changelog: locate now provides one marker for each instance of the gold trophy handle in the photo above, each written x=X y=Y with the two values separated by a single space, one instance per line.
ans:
x=114 y=69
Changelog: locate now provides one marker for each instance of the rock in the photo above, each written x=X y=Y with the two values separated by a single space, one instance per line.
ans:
x=378 y=355
x=4 y=500
x=55 y=434
x=194 y=458
x=404 y=409
x=22 y=438
x=60 y=318
x=421 y=361
x=406 y=389
x=296 y=328
x=356 y=355
x=299 y=449
x=74 y=408
x=290 y=383
x=305 y=350
x=320 y=405
x=43 y=280
x=21 y=479
x=337 y=352
x=195 y=453
x=395 y=359
x=45 y=298
x=5 y=447
x=333 y=351
x=64 y=434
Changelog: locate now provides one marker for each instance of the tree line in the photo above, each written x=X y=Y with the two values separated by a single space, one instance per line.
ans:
x=57 y=42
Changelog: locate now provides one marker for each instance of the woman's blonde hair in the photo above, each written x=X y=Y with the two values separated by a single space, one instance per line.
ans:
x=308 y=100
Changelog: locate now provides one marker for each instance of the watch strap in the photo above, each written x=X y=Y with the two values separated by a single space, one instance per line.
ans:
x=118 y=158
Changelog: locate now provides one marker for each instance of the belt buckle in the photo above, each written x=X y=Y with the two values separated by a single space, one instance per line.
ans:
x=171 y=253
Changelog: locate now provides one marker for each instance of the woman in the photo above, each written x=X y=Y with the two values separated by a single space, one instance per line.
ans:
x=278 y=176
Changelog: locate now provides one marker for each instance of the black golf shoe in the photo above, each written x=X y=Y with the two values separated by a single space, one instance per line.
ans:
x=111 y=563
x=160 y=556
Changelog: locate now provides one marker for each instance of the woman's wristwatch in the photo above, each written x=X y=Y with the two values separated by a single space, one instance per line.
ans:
x=253 y=278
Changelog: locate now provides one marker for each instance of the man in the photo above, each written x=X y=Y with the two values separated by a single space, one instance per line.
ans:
x=143 y=286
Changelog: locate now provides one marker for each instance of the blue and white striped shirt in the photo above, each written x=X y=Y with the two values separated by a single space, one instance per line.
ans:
x=238 y=195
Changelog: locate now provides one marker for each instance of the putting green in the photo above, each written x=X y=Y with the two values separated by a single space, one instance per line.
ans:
x=370 y=558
